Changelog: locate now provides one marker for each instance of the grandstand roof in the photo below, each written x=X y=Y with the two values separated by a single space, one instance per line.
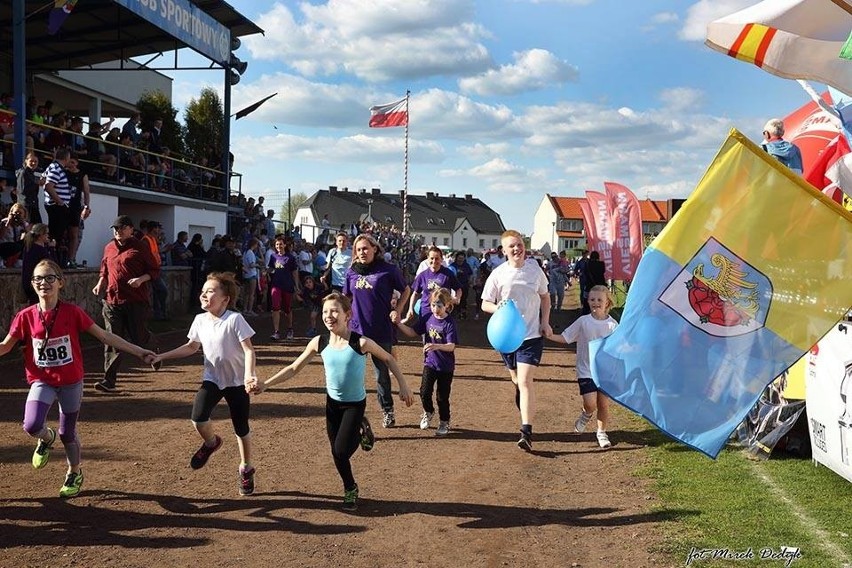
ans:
x=98 y=31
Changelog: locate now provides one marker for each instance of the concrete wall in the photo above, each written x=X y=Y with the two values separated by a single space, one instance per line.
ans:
x=78 y=290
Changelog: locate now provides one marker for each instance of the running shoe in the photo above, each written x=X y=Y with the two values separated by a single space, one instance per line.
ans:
x=275 y=336
x=350 y=499
x=525 y=443
x=73 y=484
x=289 y=334
x=443 y=428
x=199 y=458
x=41 y=455
x=603 y=440
x=104 y=386
x=246 y=480
x=388 y=419
x=425 y=420
x=368 y=439
x=582 y=421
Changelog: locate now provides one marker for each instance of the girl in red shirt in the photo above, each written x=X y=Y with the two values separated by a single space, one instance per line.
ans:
x=53 y=362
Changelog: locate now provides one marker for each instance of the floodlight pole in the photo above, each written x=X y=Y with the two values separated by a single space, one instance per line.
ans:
x=226 y=135
x=19 y=74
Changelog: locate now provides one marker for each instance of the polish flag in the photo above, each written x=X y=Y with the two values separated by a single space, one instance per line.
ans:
x=832 y=171
x=393 y=114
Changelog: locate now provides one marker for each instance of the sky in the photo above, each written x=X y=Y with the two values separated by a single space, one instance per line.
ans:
x=510 y=99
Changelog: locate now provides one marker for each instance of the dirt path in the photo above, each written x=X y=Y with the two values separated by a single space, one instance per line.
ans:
x=472 y=499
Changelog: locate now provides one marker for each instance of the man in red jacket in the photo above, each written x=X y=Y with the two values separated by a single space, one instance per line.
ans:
x=126 y=269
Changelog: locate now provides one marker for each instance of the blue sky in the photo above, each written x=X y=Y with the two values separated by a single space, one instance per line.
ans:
x=510 y=99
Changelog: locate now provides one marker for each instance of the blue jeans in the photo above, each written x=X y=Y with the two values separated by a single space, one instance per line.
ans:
x=383 y=382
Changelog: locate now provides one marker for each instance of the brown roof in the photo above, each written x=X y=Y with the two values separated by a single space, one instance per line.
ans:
x=569 y=208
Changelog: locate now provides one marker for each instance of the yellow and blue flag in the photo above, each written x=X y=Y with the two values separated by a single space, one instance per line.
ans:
x=751 y=272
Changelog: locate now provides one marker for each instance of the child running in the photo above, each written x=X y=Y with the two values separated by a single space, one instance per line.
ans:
x=311 y=295
x=591 y=326
x=343 y=353
x=283 y=283
x=229 y=369
x=440 y=336
x=522 y=280
x=53 y=362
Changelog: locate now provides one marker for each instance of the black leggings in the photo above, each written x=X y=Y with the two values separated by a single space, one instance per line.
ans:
x=343 y=424
x=427 y=386
x=209 y=395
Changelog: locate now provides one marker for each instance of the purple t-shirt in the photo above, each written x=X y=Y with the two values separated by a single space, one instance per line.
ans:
x=371 y=300
x=282 y=266
x=427 y=281
x=440 y=331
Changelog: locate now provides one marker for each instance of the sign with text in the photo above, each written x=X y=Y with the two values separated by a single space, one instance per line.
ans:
x=187 y=23
x=828 y=395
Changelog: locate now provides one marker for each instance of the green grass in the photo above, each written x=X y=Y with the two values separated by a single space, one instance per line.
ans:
x=724 y=504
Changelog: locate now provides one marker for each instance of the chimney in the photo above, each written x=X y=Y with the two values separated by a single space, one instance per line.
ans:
x=452 y=196
x=376 y=191
x=362 y=190
x=346 y=190
x=430 y=195
x=332 y=189
x=468 y=197
x=401 y=194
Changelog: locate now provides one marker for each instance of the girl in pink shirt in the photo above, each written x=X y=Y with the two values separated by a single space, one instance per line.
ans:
x=53 y=362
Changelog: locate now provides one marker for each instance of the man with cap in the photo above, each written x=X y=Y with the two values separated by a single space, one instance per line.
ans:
x=126 y=269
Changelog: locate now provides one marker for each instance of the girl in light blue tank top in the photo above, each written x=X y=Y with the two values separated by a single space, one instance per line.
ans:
x=343 y=354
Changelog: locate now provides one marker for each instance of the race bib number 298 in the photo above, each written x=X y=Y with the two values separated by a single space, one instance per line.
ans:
x=56 y=353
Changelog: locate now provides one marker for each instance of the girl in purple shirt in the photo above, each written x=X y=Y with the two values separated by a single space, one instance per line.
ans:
x=439 y=361
x=434 y=277
x=283 y=283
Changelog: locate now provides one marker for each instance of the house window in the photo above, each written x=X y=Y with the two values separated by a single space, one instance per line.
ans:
x=482 y=243
x=446 y=241
x=494 y=243
x=464 y=243
x=572 y=244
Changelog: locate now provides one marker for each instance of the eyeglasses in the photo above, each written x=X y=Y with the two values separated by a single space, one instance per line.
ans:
x=49 y=278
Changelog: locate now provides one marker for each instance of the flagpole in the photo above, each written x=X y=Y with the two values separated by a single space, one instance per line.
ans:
x=405 y=222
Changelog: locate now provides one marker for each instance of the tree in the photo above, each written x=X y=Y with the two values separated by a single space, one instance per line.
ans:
x=296 y=201
x=204 y=119
x=155 y=104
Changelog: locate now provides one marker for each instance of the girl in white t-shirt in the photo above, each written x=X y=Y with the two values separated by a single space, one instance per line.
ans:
x=584 y=329
x=229 y=370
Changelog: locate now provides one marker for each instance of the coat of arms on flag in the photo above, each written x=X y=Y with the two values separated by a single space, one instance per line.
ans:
x=719 y=293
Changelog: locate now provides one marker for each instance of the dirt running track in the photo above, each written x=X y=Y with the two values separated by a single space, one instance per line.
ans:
x=472 y=499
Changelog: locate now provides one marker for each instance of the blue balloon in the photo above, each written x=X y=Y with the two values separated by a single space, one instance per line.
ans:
x=506 y=328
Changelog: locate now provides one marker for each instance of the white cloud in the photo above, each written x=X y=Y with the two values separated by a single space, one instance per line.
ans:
x=664 y=18
x=379 y=40
x=705 y=11
x=503 y=176
x=433 y=114
x=682 y=98
x=480 y=151
x=357 y=148
x=590 y=125
x=533 y=69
